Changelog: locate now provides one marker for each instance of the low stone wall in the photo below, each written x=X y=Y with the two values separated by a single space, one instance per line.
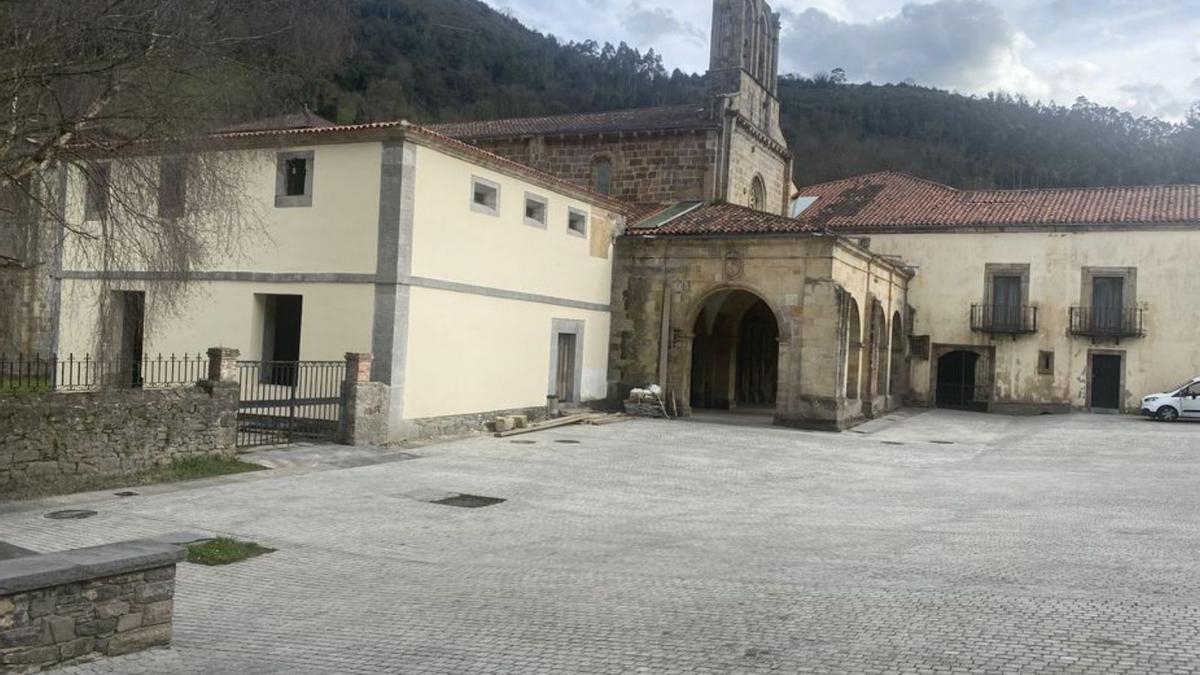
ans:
x=456 y=425
x=108 y=600
x=62 y=438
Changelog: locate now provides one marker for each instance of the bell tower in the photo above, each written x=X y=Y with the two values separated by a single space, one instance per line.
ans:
x=745 y=59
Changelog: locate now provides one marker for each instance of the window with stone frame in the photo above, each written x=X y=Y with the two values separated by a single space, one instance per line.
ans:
x=577 y=222
x=485 y=196
x=758 y=194
x=536 y=208
x=602 y=175
x=294 y=179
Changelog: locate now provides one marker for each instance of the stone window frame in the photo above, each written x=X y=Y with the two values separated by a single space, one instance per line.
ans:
x=598 y=160
x=486 y=209
x=1128 y=290
x=97 y=191
x=284 y=200
x=576 y=327
x=545 y=203
x=993 y=270
x=758 y=192
x=573 y=212
x=1045 y=362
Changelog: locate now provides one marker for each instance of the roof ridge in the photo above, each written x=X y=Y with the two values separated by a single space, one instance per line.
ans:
x=882 y=173
x=529 y=118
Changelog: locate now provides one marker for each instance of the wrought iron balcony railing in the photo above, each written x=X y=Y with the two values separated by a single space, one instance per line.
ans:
x=1004 y=319
x=1111 y=322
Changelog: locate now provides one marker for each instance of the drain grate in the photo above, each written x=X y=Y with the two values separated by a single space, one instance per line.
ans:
x=70 y=514
x=943 y=442
x=468 y=501
x=523 y=442
x=892 y=442
x=566 y=440
x=126 y=493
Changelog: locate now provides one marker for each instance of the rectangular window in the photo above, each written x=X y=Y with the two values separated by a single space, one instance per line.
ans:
x=172 y=187
x=577 y=222
x=1108 y=300
x=97 y=187
x=293 y=179
x=1045 y=365
x=485 y=196
x=535 y=210
x=1006 y=301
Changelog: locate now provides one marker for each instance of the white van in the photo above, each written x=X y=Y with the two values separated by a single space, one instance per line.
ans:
x=1182 y=401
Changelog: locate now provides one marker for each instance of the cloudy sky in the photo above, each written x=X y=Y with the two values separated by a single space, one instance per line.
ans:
x=1139 y=55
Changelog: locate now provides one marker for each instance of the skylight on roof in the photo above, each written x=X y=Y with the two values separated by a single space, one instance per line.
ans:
x=799 y=204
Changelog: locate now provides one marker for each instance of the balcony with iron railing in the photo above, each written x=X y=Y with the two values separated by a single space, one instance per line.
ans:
x=1107 y=322
x=1004 y=319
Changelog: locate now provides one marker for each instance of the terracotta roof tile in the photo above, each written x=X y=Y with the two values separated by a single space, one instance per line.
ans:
x=725 y=219
x=894 y=200
x=689 y=116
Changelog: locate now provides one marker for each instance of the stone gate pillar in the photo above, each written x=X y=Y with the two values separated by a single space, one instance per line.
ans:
x=365 y=404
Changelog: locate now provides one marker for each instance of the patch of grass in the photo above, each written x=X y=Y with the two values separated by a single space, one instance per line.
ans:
x=22 y=385
x=205 y=467
x=223 y=551
x=191 y=468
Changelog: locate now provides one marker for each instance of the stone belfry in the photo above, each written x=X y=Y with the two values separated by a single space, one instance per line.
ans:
x=745 y=59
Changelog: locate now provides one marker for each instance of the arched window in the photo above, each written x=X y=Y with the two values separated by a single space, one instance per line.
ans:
x=758 y=194
x=602 y=175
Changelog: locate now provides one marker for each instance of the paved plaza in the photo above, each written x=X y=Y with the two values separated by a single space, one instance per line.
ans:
x=926 y=542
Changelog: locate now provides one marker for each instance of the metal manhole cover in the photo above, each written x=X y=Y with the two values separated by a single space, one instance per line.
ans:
x=126 y=493
x=468 y=501
x=523 y=442
x=566 y=440
x=70 y=514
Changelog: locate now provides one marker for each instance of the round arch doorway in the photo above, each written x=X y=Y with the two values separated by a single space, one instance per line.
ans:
x=735 y=353
x=956 y=380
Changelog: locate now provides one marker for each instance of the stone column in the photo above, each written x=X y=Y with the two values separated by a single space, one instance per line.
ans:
x=222 y=364
x=365 y=404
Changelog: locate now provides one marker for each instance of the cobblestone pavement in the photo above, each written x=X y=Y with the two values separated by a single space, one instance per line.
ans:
x=939 y=542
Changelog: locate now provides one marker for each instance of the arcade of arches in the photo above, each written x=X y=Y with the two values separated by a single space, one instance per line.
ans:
x=756 y=323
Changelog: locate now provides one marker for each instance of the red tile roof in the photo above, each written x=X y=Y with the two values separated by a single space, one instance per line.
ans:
x=302 y=120
x=675 y=117
x=724 y=219
x=890 y=200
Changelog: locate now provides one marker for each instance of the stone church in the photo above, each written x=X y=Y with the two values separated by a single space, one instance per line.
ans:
x=728 y=147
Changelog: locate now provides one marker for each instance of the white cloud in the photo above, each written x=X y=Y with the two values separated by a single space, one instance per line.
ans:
x=963 y=44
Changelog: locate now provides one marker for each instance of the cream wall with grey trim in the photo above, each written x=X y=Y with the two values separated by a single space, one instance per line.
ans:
x=952 y=275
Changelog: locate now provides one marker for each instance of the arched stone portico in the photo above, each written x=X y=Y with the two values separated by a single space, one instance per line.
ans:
x=685 y=310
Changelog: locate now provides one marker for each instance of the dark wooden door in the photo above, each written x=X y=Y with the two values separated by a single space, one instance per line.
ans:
x=1106 y=381
x=565 y=374
x=1006 y=302
x=956 y=380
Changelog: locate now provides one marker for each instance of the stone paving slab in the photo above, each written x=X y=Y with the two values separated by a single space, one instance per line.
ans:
x=1044 y=545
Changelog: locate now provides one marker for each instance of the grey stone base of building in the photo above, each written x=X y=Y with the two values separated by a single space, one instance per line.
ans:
x=456 y=425
x=1008 y=408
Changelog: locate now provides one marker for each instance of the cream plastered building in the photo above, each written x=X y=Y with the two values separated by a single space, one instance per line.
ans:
x=479 y=285
x=1034 y=300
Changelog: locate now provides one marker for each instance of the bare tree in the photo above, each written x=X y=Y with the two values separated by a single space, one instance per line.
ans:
x=121 y=96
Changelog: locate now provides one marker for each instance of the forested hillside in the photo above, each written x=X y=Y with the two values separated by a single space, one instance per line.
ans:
x=443 y=60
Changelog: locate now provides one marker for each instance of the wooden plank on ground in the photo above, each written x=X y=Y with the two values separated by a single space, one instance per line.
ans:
x=549 y=424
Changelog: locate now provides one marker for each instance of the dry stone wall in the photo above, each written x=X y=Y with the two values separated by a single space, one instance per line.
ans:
x=62 y=438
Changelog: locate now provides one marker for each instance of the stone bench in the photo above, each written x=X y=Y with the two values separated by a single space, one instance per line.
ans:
x=109 y=600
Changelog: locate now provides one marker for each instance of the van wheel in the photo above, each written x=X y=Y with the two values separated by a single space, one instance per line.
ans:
x=1167 y=414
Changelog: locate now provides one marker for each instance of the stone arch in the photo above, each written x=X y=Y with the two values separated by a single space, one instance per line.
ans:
x=758 y=193
x=876 y=349
x=761 y=66
x=735 y=351
x=897 y=380
x=853 y=348
x=748 y=34
x=601 y=174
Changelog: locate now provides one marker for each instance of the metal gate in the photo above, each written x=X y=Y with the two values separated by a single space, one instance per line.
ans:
x=284 y=402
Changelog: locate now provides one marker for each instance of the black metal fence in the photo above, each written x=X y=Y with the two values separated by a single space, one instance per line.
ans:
x=35 y=373
x=1110 y=322
x=283 y=402
x=1007 y=319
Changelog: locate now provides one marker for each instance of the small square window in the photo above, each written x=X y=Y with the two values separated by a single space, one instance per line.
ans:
x=485 y=196
x=535 y=210
x=293 y=179
x=577 y=222
x=1045 y=364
